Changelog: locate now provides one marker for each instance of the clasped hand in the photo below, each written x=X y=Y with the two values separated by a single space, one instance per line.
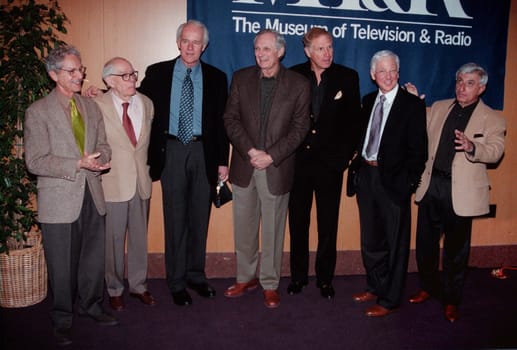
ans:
x=259 y=159
x=90 y=162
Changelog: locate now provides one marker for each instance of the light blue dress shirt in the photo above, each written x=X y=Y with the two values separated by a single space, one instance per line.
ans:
x=180 y=72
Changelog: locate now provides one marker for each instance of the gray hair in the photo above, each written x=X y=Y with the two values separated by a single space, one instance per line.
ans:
x=279 y=38
x=109 y=67
x=56 y=56
x=197 y=24
x=382 y=54
x=473 y=68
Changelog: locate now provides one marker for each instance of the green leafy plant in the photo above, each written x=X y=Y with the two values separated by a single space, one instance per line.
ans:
x=28 y=30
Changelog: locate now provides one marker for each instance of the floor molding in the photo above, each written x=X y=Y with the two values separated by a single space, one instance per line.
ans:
x=222 y=265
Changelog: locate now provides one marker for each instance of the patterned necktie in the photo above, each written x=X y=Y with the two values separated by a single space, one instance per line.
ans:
x=126 y=123
x=186 y=118
x=77 y=125
x=375 y=129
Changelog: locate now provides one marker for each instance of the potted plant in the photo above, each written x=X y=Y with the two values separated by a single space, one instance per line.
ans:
x=28 y=30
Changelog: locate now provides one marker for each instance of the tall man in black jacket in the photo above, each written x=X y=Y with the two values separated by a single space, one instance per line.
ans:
x=321 y=160
x=189 y=170
x=394 y=153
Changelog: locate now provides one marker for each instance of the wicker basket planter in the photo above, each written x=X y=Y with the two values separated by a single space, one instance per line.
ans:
x=23 y=274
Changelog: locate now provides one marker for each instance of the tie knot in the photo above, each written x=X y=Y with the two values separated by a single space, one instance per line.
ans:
x=382 y=98
x=125 y=105
x=189 y=70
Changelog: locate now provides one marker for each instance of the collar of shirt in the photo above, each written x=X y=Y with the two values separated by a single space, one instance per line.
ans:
x=64 y=101
x=180 y=71
x=467 y=109
x=390 y=96
x=135 y=111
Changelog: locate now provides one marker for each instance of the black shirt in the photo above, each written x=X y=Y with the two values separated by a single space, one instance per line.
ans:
x=458 y=118
x=267 y=92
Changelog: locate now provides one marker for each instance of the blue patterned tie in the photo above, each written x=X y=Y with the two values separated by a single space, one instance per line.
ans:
x=186 y=110
x=375 y=129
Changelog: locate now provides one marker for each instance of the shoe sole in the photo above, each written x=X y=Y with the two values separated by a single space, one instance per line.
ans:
x=245 y=291
x=364 y=300
x=269 y=306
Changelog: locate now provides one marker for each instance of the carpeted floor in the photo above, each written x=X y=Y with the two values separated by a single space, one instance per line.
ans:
x=488 y=320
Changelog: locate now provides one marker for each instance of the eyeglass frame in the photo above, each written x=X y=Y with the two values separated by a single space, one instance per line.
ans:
x=72 y=71
x=127 y=76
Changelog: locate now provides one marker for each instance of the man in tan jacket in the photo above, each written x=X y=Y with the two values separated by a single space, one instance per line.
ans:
x=127 y=185
x=464 y=135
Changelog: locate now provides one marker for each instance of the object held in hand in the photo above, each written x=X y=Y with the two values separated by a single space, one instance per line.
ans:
x=223 y=194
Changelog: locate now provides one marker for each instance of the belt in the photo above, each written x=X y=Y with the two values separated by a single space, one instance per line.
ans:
x=441 y=173
x=194 y=138
x=370 y=162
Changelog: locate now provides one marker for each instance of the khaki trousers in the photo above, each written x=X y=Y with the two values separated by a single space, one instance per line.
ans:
x=253 y=207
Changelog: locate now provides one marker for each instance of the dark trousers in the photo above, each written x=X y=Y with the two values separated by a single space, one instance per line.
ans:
x=385 y=237
x=75 y=261
x=325 y=183
x=186 y=209
x=436 y=217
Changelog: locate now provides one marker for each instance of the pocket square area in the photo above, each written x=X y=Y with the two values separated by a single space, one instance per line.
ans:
x=338 y=95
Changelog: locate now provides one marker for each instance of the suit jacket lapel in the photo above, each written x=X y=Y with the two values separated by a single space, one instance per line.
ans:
x=111 y=116
x=440 y=116
x=254 y=96
x=146 y=123
x=63 y=121
x=473 y=126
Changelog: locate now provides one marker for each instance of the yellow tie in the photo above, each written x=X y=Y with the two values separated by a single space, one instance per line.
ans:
x=77 y=125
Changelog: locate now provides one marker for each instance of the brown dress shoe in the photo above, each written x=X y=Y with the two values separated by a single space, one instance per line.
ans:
x=378 y=311
x=117 y=303
x=363 y=297
x=451 y=313
x=145 y=298
x=238 y=289
x=419 y=297
x=271 y=298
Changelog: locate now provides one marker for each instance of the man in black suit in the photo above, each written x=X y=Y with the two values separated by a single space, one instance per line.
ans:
x=188 y=167
x=321 y=160
x=394 y=153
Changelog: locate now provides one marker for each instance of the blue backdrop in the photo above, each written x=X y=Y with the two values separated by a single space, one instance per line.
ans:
x=432 y=37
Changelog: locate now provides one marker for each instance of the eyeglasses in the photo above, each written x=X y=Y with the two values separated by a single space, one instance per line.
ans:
x=72 y=71
x=127 y=76
x=383 y=73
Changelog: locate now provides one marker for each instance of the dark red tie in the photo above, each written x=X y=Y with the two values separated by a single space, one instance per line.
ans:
x=128 y=126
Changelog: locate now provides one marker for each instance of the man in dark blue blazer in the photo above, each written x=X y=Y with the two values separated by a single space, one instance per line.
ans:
x=394 y=152
x=188 y=170
x=321 y=160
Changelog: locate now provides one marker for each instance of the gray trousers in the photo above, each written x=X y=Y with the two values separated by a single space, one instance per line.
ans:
x=129 y=217
x=255 y=206
x=75 y=261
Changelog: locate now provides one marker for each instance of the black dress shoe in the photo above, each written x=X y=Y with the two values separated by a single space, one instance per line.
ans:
x=203 y=289
x=295 y=287
x=62 y=336
x=327 y=291
x=182 y=298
